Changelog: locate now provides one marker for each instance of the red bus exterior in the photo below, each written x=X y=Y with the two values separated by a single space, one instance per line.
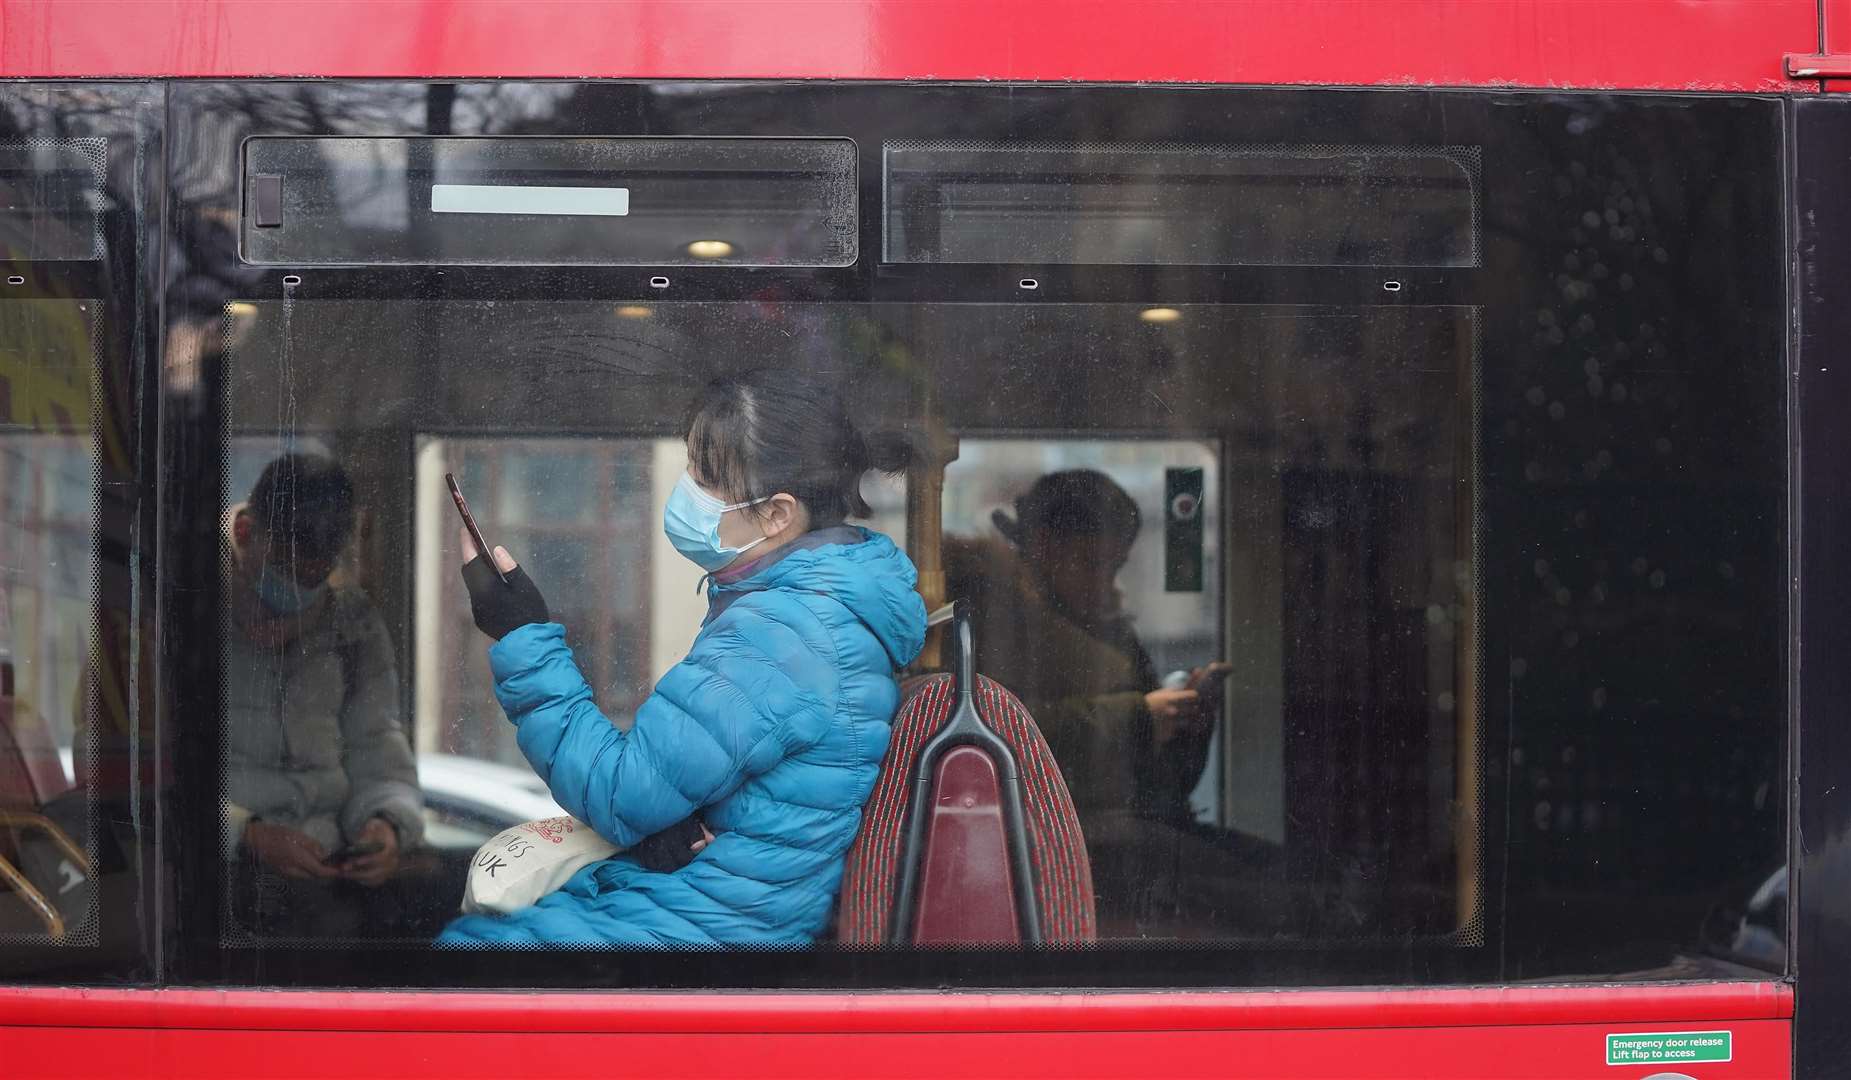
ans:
x=1732 y=46
x=1442 y=1033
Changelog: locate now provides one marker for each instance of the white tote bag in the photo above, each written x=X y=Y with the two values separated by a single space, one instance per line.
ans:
x=522 y=864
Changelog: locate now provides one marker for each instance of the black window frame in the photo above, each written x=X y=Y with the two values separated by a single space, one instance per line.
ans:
x=210 y=119
x=124 y=275
x=1819 y=445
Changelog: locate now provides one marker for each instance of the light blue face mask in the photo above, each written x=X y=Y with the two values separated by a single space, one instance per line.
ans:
x=691 y=518
x=283 y=596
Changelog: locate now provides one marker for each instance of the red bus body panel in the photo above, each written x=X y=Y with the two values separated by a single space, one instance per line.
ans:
x=1476 y=1033
x=1835 y=34
x=1727 y=45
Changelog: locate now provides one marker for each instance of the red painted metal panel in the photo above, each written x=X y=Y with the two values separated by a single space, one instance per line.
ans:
x=1761 y=1049
x=1646 y=44
x=1835 y=43
x=965 y=889
x=1831 y=66
x=1835 y=26
x=895 y=1013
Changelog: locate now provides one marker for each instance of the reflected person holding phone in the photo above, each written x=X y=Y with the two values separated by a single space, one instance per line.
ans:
x=322 y=794
x=1052 y=626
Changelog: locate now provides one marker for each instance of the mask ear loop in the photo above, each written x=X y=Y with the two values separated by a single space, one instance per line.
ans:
x=705 y=583
x=730 y=507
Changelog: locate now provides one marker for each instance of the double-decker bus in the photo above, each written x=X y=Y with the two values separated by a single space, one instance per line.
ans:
x=1464 y=379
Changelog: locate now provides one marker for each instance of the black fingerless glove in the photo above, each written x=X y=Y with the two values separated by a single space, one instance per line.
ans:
x=500 y=609
x=671 y=849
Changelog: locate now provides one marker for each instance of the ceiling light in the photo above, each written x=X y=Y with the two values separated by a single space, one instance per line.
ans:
x=1160 y=315
x=710 y=249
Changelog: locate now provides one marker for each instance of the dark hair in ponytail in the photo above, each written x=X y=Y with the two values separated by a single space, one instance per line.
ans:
x=753 y=435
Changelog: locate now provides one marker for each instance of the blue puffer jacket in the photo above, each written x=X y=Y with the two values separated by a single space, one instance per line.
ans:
x=775 y=724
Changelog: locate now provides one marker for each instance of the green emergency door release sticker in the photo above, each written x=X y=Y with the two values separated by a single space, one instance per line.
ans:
x=1669 y=1047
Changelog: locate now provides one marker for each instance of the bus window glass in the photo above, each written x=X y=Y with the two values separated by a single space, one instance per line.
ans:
x=612 y=202
x=49 y=725
x=49 y=191
x=1212 y=769
x=1181 y=205
x=77 y=642
x=1384 y=531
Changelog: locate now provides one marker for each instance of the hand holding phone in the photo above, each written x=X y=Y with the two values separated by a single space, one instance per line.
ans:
x=1210 y=678
x=349 y=852
x=486 y=553
x=502 y=598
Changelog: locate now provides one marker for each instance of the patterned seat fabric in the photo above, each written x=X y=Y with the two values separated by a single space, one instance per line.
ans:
x=1063 y=875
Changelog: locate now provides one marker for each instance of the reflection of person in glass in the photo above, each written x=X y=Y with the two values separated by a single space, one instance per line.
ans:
x=1052 y=628
x=322 y=790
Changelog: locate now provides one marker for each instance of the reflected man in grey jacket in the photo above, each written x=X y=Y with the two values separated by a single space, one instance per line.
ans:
x=321 y=786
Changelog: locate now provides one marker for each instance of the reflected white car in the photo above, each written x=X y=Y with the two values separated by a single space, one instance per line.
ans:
x=466 y=800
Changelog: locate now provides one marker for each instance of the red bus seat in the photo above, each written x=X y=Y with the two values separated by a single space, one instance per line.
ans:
x=965 y=888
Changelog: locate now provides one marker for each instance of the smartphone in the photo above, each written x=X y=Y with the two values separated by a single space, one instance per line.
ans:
x=350 y=852
x=475 y=534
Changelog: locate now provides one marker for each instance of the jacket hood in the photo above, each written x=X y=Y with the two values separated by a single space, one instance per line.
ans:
x=858 y=567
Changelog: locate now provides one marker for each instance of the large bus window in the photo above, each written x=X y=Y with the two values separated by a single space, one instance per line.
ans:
x=1243 y=796
x=66 y=729
x=1398 y=587
x=76 y=575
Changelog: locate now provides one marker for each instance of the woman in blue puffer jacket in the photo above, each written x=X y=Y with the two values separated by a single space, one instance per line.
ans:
x=772 y=728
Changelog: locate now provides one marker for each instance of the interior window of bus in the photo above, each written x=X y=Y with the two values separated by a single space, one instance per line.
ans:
x=1169 y=588
x=49 y=732
x=76 y=515
x=1373 y=461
